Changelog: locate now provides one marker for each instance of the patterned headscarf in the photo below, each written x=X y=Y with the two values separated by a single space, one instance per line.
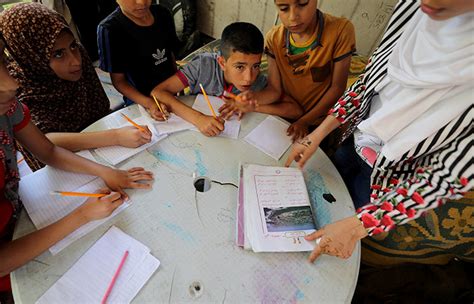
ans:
x=56 y=105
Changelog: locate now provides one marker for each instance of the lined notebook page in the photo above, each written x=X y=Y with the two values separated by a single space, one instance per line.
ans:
x=231 y=127
x=45 y=209
x=87 y=280
x=173 y=125
x=117 y=154
x=270 y=137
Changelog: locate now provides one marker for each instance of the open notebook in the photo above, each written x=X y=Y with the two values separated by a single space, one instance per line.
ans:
x=87 y=280
x=45 y=209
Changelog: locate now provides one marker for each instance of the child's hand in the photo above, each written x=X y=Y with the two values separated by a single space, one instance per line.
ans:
x=131 y=137
x=297 y=130
x=154 y=112
x=118 y=179
x=98 y=208
x=209 y=125
x=228 y=109
x=247 y=97
x=301 y=151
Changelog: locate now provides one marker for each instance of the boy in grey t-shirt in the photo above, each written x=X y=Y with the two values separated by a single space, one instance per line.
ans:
x=236 y=69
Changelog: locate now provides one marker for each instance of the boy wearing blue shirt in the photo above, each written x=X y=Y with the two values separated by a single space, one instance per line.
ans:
x=236 y=69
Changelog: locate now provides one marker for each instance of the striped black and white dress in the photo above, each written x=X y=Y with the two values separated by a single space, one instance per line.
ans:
x=437 y=169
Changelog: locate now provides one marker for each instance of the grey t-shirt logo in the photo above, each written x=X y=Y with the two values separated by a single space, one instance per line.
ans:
x=159 y=56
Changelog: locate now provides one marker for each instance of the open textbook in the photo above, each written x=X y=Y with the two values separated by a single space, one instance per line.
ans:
x=274 y=211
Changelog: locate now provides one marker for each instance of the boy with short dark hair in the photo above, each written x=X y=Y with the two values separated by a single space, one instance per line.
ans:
x=136 y=45
x=236 y=69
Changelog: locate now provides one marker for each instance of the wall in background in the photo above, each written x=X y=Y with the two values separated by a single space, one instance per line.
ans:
x=368 y=16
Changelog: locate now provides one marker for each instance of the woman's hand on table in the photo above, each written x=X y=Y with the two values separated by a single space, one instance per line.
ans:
x=209 y=125
x=132 y=178
x=131 y=137
x=98 y=208
x=337 y=239
x=301 y=151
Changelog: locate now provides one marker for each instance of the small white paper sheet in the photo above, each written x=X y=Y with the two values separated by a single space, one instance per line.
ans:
x=270 y=137
x=231 y=126
x=87 y=280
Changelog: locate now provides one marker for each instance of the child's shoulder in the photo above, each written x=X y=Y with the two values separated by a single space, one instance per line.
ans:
x=204 y=58
x=113 y=19
x=337 y=24
x=277 y=32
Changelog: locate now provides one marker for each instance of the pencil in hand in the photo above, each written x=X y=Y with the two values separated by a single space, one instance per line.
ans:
x=208 y=101
x=160 y=108
x=134 y=123
x=69 y=193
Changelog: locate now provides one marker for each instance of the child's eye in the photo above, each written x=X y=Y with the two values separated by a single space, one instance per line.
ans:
x=256 y=67
x=58 y=54
x=302 y=4
x=74 y=45
x=283 y=8
x=239 y=67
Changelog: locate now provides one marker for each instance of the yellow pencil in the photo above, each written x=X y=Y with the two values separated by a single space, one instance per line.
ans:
x=134 y=123
x=69 y=193
x=208 y=101
x=160 y=108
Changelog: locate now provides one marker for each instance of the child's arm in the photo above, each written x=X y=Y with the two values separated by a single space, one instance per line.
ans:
x=338 y=84
x=35 y=141
x=166 y=91
x=18 y=252
x=127 y=136
x=122 y=85
x=272 y=91
x=286 y=108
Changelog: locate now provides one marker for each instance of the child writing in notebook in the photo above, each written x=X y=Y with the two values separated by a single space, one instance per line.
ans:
x=15 y=123
x=136 y=45
x=309 y=56
x=58 y=82
x=236 y=69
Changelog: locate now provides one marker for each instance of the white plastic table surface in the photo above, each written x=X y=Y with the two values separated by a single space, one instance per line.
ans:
x=193 y=233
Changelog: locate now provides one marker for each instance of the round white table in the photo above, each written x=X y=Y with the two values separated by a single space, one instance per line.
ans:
x=193 y=233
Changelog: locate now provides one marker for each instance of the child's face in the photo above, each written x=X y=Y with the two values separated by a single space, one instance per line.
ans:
x=445 y=9
x=8 y=85
x=135 y=8
x=240 y=70
x=66 y=59
x=297 y=15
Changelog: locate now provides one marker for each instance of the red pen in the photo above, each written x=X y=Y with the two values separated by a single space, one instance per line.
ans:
x=114 y=278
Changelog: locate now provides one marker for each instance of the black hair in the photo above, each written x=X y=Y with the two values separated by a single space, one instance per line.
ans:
x=241 y=37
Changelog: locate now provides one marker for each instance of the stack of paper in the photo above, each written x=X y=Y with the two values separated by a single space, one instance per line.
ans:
x=45 y=209
x=117 y=154
x=88 y=279
x=273 y=212
x=231 y=126
x=270 y=137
